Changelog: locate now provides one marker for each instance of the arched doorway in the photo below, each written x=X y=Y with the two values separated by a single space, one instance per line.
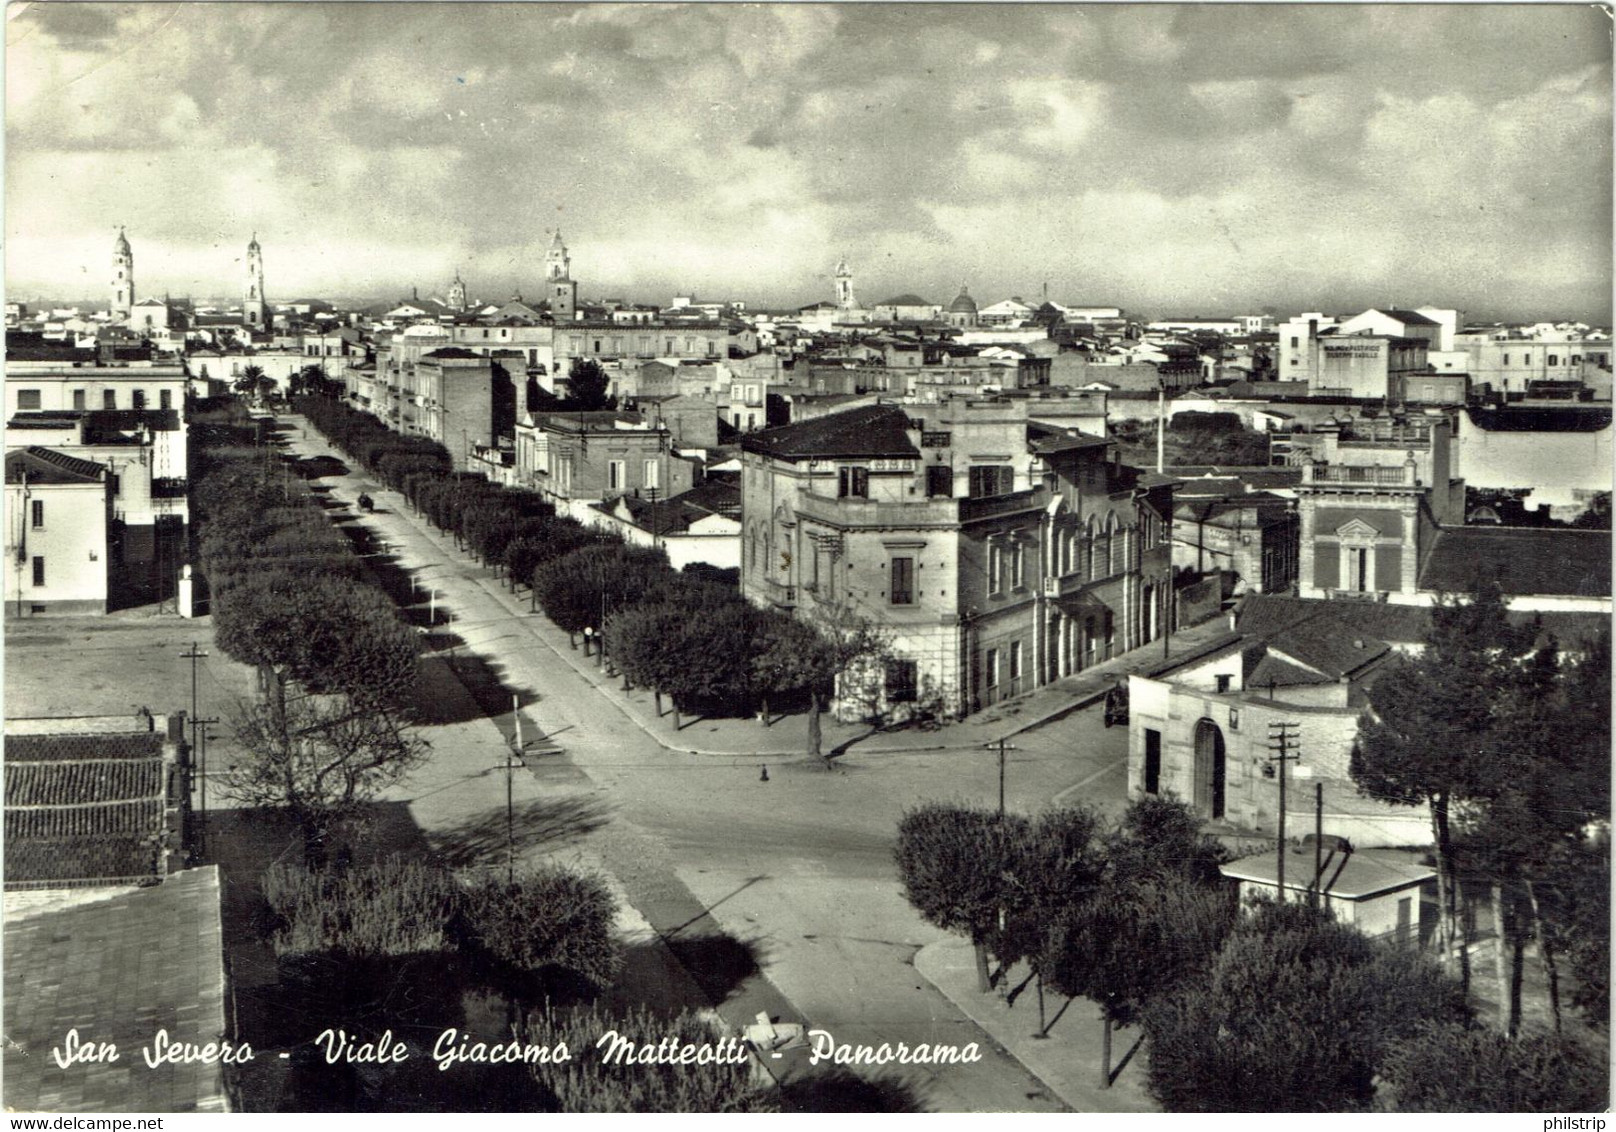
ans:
x=1211 y=766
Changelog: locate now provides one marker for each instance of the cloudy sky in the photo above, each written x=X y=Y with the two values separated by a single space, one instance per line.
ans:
x=1169 y=159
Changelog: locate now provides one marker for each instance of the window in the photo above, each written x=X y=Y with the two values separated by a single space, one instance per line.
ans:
x=936 y=439
x=39 y=570
x=1152 y=761
x=616 y=474
x=990 y=668
x=939 y=481
x=1015 y=667
x=28 y=399
x=1295 y=341
x=1554 y=359
x=165 y=399
x=653 y=474
x=109 y=398
x=140 y=399
x=903 y=581
x=995 y=568
x=78 y=399
x=852 y=483
x=903 y=680
x=1018 y=565
x=38 y=514
x=1223 y=679
x=990 y=480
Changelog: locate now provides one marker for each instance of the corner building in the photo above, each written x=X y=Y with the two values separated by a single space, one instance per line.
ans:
x=999 y=553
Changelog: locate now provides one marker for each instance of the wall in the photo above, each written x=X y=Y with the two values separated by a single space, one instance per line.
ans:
x=72 y=541
x=1555 y=465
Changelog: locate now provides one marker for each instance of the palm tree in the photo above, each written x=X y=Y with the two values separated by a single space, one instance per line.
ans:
x=253 y=382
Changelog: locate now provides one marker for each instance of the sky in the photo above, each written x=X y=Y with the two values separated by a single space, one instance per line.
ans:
x=1169 y=159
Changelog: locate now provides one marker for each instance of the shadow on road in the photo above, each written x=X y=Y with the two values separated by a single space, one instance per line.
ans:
x=546 y=823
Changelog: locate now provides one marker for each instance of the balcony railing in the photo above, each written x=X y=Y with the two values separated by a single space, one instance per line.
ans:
x=1030 y=500
x=1397 y=475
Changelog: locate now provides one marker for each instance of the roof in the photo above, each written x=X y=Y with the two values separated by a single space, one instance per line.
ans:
x=873 y=431
x=1410 y=318
x=84 y=807
x=1350 y=876
x=1558 y=419
x=1044 y=440
x=453 y=352
x=117 y=969
x=1264 y=615
x=45 y=465
x=1335 y=655
x=1523 y=560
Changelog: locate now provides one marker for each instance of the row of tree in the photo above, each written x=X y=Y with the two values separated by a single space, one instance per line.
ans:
x=681 y=635
x=289 y=597
x=1508 y=744
x=1277 y=1009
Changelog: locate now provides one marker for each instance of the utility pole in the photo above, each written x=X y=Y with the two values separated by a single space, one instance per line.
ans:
x=1282 y=741
x=202 y=783
x=1002 y=748
x=1318 y=842
x=193 y=656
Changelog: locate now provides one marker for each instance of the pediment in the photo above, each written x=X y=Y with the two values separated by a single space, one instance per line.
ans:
x=1356 y=529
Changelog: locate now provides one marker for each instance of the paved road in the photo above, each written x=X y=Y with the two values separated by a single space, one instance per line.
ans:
x=797 y=868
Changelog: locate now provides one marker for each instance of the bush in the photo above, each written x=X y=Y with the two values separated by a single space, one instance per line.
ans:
x=588 y=1083
x=1456 y=1068
x=546 y=920
x=393 y=907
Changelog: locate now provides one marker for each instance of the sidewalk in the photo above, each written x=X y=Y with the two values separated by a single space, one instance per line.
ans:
x=1068 y=1060
x=786 y=739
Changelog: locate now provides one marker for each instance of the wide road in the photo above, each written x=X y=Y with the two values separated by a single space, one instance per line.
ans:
x=798 y=869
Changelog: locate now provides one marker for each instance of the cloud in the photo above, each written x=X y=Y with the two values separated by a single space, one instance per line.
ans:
x=1153 y=155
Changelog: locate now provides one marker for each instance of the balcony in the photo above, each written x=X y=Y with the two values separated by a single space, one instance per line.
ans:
x=780 y=594
x=994 y=505
x=1352 y=475
x=853 y=511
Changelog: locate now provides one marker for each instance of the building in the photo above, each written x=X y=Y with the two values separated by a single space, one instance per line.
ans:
x=1562 y=454
x=255 y=313
x=999 y=553
x=1201 y=728
x=560 y=289
x=123 y=277
x=1508 y=360
x=98 y=381
x=1386 y=894
x=1295 y=357
x=1397 y=324
x=962 y=312
x=58 y=518
x=1365 y=366
x=1252 y=539
x=907 y=308
x=578 y=459
x=701 y=525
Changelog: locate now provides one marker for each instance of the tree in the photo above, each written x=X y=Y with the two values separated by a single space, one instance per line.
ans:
x=587 y=386
x=1155 y=916
x=1456 y=1068
x=1132 y=943
x=953 y=861
x=645 y=640
x=847 y=657
x=322 y=759
x=248 y=380
x=547 y=920
x=1428 y=737
x=1297 y=1016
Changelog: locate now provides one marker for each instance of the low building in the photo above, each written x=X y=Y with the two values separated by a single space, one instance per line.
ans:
x=1202 y=729
x=578 y=459
x=1563 y=454
x=1255 y=538
x=701 y=525
x=1385 y=894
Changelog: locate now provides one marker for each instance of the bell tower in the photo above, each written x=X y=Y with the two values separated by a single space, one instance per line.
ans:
x=457 y=293
x=254 y=311
x=844 y=287
x=562 y=291
x=123 y=277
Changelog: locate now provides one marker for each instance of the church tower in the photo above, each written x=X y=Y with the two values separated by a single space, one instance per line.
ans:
x=457 y=293
x=254 y=312
x=844 y=287
x=563 y=292
x=123 y=277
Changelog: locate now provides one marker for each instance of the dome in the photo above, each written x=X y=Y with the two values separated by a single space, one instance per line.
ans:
x=962 y=304
x=122 y=246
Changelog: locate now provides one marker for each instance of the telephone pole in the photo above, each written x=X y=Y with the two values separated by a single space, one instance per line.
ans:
x=1282 y=740
x=202 y=782
x=1002 y=747
x=193 y=656
x=513 y=762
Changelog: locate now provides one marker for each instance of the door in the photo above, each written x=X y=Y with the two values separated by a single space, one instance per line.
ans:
x=1210 y=769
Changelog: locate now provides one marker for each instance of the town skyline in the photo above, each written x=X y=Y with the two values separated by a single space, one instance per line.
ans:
x=739 y=152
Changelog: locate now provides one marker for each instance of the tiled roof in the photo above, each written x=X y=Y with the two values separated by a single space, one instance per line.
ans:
x=1523 y=560
x=1334 y=654
x=45 y=465
x=84 y=807
x=1045 y=440
x=1265 y=615
x=873 y=431
x=117 y=970
x=1353 y=876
